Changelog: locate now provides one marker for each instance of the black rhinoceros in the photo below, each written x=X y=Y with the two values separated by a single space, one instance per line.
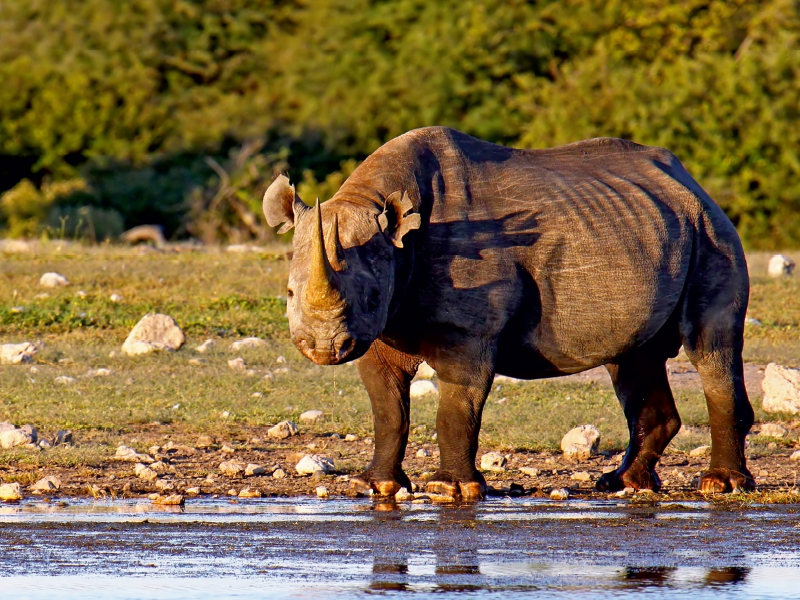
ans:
x=482 y=260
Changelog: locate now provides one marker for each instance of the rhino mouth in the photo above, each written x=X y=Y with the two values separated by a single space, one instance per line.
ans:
x=338 y=350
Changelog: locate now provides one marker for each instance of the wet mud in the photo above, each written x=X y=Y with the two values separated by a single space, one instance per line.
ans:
x=315 y=548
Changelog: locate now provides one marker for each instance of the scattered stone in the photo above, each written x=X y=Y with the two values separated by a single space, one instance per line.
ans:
x=51 y=483
x=144 y=472
x=153 y=332
x=311 y=415
x=159 y=467
x=80 y=294
x=14 y=437
x=204 y=441
x=225 y=414
x=44 y=444
x=559 y=494
x=237 y=365
x=251 y=470
x=626 y=492
x=763 y=473
x=403 y=495
x=283 y=430
x=700 y=452
x=248 y=493
x=279 y=474
x=251 y=342
x=171 y=500
x=773 y=430
x=101 y=372
x=423 y=388
x=493 y=461
x=795 y=455
x=781 y=387
x=10 y=492
x=31 y=431
x=645 y=492
x=311 y=464
x=164 y=485
x=281 y=360
x=780 y=266
x=64 y=380
x=581 y=476
x=7 y=426
x=322 y=492
x=193 y=491
x=529 y=471
x=15 y=354
x=752 y=321
x=280 y=371
x=115 y=298
x=231 y=468
x=256 y=395
x=424 y=453
x=425 y=371
x=205 y=346
x=130 y=455
x=53 y=280
x=242 y=248
x=581 y=442
x=16 y=310
x=351 y=437
x=227 y=449
x=64 y=436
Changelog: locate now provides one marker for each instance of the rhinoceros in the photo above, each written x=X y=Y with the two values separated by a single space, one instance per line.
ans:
x=482 y=259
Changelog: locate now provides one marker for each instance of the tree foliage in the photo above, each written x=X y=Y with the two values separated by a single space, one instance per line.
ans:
x=156 y=105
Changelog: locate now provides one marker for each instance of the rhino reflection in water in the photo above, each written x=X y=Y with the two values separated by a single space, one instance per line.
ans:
x=482 y=259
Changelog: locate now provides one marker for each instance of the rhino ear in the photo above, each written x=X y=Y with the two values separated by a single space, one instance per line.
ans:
x=282 y=204
x=397 y=220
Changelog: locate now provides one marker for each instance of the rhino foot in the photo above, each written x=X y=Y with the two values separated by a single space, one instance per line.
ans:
x=637 y=479
x=721 y=481
x=382 y=486
x=468 y=489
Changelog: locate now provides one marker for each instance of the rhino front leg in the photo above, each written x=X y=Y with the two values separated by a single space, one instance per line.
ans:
x=464 y=383
x=387 y=375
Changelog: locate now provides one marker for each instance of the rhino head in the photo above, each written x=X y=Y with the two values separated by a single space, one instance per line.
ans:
x=342 y=274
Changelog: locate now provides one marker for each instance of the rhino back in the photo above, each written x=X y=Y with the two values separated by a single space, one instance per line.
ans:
x=569 y=256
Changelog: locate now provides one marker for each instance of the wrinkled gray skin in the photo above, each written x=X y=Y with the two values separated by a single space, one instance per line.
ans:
x=481 y=259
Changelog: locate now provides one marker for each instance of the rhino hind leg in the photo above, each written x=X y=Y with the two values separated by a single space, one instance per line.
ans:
x=643 y=390
x=386 y=374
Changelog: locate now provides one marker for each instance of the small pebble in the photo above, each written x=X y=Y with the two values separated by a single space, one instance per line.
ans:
x=559 y=494
x=322 y=492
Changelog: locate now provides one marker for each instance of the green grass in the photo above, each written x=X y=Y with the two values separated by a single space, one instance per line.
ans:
x=229 y=296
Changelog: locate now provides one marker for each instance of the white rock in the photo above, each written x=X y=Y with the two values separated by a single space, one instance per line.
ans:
x=700 y=451
x=781 y=388
x=231 y=468
x=581 y=476
x=311 y=415
x=752 y=321
x=14 y=354
x=251 y=469
x=51 y=483
x=31 y=431
x=279 y=474
x=403 y=495
x=351 y=437
x=281 y=360
x=423 y=388
x=10 y=492
x=773 y=430
x=283 y=430
x=423 y=453
x=130 y=455
x=493 y=461
x=101 y=372
x=248 y=493
x=559 y=494
x=795 y=455
x=310 y=464
x=6 y=426
x=52 y=280
x=241 y=248
x=144 y=472
x=115 y=298
x=14 y=437
x=581 y=442
x=192 y=491
x=164 y=485
x=64 y=380
x=780 y=266
x=322 y=492
x=425 y=371
x=206 y=346
x=529 y=471
x=237 y=365
x=251 y=342
x=153 y=332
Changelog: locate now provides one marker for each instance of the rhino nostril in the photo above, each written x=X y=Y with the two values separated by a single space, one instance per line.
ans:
x=343 y=344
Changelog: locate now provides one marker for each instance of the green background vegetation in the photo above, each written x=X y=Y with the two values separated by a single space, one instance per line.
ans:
x=177 y=112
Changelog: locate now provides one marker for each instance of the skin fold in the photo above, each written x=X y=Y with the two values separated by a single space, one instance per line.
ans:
x=484 y=260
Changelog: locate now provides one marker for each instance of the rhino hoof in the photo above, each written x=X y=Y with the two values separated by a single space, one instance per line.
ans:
x=619 y=480
x=363 y=483
x=463 y=490
x=723 y=481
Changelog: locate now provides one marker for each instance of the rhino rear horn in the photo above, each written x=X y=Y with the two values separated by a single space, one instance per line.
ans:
x=281 y=204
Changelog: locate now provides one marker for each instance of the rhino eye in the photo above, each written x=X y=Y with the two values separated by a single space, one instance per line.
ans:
x=290 y=293
x=374 y=299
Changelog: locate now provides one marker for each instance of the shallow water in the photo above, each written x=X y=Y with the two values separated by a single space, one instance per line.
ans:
x=294 y=548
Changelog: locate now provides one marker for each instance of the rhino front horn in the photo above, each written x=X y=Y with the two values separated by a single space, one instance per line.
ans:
x=321 y=292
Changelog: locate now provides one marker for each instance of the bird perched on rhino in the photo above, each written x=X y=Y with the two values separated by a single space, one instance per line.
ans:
x=481 y=259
